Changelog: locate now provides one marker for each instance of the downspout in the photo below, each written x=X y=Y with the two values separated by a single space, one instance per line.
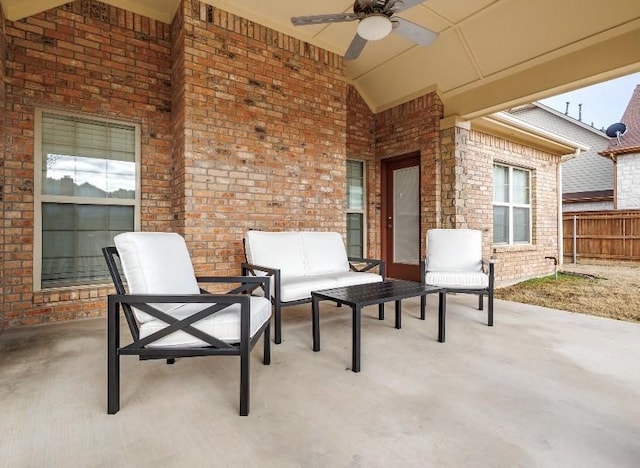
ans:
x=563 y=158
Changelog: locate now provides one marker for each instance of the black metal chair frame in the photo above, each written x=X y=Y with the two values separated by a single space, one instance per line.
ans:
x=250 y=269
x=487 y=267
x=140 y=346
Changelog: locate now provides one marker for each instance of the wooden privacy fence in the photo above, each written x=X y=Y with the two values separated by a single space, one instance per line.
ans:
x=603 y=235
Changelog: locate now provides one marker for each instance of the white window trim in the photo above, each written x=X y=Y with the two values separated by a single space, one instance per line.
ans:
x=510 y=206
x=39 y=198
x=362 y=211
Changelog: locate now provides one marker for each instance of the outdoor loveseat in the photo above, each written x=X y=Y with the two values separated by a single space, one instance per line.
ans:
x=302 y=261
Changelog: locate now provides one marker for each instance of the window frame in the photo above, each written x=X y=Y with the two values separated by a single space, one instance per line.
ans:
x=510 y=205
x=363 y=210
x=39 y=198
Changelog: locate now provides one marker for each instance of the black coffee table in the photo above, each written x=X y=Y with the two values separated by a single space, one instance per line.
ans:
x=362 y=295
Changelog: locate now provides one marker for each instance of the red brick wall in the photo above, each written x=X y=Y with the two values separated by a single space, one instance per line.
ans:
x=266 y=135
x=415 y=126
x=92 y=58
x=242 y=128
x=361 y=144
x=512 y=263
x=3 y=51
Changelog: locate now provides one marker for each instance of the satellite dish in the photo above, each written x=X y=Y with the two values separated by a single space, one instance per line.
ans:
x=616 y=130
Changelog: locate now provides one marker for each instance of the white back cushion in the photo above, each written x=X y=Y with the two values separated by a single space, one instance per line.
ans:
x=281 y=250
x=156 y=263
x=324 y=252
x=454 y=250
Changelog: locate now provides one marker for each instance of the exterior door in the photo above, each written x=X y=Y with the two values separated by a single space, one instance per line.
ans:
x=401 y=216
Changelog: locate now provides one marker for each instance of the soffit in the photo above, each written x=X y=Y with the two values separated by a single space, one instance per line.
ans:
x=491 y=54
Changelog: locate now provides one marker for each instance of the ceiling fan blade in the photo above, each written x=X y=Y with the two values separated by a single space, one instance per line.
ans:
x=413 y=32
x=319 y=19
x=355 y=48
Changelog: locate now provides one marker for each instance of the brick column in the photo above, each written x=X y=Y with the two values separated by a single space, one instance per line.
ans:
x=454 y=134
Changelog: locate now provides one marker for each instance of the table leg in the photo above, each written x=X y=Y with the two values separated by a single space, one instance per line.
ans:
x=381 y=311
x=315 y=322
x=355 y=358
x=442 y=315
x=398 y=315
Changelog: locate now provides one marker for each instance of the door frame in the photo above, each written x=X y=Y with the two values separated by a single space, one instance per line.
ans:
x=385 y=197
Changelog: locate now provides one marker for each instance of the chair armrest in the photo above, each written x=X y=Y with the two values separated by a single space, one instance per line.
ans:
x=369 y=263
x=145 y=303
x=248 y=284
x=251 y=267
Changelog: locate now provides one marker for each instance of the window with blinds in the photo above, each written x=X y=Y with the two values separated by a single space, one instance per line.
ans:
x=511 y=205
x=355 y=208
x=87 y=192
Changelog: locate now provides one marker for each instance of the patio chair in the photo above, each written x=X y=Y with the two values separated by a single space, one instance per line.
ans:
x=169 y=316
x=454 y=262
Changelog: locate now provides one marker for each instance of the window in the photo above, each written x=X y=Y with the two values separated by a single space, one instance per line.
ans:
x=355 y=208
x=511 y=205
x=87 y=191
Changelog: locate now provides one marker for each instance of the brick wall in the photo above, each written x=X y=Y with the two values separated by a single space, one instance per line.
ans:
x=3 y=52
x=265 y=143
x=361 y=144
x=415 y=126
x=512 y=263
x=242 y=128
x=84 y=57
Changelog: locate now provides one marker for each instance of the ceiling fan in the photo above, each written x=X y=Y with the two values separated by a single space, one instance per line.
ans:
x=376 y=20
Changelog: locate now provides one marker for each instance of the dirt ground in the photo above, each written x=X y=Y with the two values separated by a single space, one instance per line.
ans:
x=607 y=290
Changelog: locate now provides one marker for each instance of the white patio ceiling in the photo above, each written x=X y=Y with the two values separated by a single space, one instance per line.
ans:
x=490 y=54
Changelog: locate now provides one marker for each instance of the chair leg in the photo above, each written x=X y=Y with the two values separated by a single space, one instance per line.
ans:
x=244 y=379
x=442 y=315
x=480 y=301
x=490 y=307
x=266 y=359
x=278 y=323
x=113 y=357
x=423 y=307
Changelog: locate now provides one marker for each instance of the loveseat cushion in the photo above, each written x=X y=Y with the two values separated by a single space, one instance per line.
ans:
x=324 y=252
x=350 y=278
x=279 y=250
x=156 y=263
x=299 y=288
x=224 y=325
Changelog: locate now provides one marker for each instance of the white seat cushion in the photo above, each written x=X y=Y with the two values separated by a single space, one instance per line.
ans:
x=159 y=263
x=295 y=289
x=454 y=250
x=460 y=280
x=279 y=250
x=224 y=325
x=156 y=263
x=350 y=278
x=324 y=252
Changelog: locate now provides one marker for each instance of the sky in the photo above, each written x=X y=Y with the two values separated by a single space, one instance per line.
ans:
x=603 y=103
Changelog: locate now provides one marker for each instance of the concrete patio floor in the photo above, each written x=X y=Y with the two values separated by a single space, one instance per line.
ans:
x=542 y=388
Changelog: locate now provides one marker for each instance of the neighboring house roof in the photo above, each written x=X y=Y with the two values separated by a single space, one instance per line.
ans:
x=589 y=173
x=630 y=141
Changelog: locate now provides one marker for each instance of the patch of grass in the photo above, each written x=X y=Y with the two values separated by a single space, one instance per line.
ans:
x=585 y=294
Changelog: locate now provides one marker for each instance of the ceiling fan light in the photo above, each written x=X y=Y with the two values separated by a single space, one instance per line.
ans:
x=374 y=27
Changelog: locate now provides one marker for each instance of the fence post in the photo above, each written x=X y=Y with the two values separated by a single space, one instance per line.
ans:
x=575 y=240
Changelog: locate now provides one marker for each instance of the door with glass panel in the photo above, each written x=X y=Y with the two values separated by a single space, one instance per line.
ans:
x=401 y=216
